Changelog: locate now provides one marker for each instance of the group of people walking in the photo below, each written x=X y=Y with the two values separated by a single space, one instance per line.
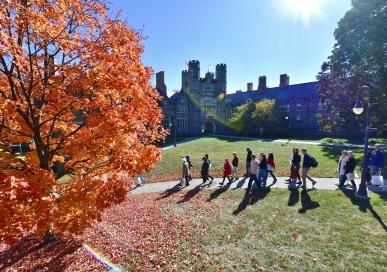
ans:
x=258 y=168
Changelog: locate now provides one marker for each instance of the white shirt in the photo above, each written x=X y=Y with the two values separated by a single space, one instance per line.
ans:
x=340 y=166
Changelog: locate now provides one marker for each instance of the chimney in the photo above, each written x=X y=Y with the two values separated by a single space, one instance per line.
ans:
x=284 y=80
x=262 y=83
x=250 y=86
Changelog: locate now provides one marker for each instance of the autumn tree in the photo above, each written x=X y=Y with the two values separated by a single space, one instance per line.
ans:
x=358 y=58
x=73 y=86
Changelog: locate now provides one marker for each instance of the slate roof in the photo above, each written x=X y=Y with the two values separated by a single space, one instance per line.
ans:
x=279 y=93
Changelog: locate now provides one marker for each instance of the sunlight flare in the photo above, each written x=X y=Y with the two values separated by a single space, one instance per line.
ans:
x=301 y=10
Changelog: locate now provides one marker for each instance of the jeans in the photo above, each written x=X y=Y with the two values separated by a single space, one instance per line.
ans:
x=262 y=177
x=253 y=177
x=272 y=174
x=342 y=179
x=234 y=172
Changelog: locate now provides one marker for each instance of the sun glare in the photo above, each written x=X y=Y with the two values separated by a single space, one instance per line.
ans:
x=301 y=10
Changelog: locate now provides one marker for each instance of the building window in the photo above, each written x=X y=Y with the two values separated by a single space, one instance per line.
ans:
x=298 y=107
x=181 y=109
x=286 y=107
x=298 y=120
x=166 y=121
x=181 y=123
x=322 y=106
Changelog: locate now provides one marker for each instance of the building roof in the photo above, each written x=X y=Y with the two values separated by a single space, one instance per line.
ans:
x=280 y=93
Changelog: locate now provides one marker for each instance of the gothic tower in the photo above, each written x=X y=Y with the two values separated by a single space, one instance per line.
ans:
x=221 y=77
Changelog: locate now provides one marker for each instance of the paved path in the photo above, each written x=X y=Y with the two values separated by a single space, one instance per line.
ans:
x=322 y=184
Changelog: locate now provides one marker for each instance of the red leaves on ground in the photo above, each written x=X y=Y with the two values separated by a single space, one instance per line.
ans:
x=144 y=233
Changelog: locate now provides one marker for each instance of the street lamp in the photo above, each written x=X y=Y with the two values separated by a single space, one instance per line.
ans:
x=287 y=118
x=173 y=123
x=358 y=109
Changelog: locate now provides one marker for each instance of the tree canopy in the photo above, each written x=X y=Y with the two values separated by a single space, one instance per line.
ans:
x=73 y=86
x=251 y=117
x=358 y=58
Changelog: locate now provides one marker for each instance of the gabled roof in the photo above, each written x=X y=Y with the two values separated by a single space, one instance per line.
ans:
x=279 y=93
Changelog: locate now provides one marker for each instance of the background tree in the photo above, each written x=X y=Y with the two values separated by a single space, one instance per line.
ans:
x=251 y=117
x=358 y=58
x=72 y=84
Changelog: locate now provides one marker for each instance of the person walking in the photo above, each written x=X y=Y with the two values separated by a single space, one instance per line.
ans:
x=349 y=170
x=248 y=161
x=254 y=167
x=262 y=174
x=271 y=167
x=185 y=173
x=205 y=169
x=295 y=165
x=189 y=166
x=209 y=168
x=235 y=162
x=377 y=161
x=226 y=171
x=307 y=163
x=340 y=166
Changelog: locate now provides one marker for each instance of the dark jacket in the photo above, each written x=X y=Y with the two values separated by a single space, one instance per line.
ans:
x=263 y=165
x=235 y=161
x=350 y=165
x=205 y=168
x=307 y=162
x=377 y=158
x=249 y=155
x=296 y=159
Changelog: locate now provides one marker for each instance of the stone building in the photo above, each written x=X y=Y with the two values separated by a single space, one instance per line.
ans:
x=203 y=105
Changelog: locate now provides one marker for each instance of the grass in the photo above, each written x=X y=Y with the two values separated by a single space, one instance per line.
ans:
x=281 y=230
x=169 y=167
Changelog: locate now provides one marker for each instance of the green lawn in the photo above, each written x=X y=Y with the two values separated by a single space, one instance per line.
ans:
x=169 y=167
x=281 y=230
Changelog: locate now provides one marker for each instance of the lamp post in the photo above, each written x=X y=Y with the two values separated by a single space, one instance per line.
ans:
x=287 y=118
x=358 y=109
x=173 y=123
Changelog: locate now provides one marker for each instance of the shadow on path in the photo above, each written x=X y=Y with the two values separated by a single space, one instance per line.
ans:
x=364 y=205
x=191 y=193
x=167 y=193
x=306 y=202
x=294 y=197
x=240 y=183
x=219 y=191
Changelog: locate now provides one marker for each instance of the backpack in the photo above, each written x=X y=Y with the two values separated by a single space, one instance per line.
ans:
x=313 y=162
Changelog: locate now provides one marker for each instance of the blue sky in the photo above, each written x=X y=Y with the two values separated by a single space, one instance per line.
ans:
x=253 y=37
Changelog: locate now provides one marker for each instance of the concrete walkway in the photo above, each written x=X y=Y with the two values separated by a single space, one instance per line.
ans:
x=322 y=184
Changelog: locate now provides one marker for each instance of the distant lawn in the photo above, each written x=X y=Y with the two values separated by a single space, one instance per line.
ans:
x=281 y=230
x=169 y=167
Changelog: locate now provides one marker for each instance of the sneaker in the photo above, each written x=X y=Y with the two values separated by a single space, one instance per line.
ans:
x=287 y=179
x=303 y=186
x=299 y=182
x=313 y=183
x=221 y=183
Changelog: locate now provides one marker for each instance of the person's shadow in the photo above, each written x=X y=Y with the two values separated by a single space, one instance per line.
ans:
x=219 y=191
x=294 y=197
x=191 y=193
x=306 y=202
x=167 y=193
x=240 y=183
x=364 y=205
x=252 y=196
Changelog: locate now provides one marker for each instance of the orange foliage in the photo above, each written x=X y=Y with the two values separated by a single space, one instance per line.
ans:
x=72 y=84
